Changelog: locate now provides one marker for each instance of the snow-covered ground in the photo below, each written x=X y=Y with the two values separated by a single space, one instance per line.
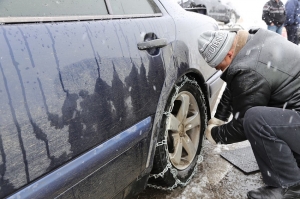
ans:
x=215 y=179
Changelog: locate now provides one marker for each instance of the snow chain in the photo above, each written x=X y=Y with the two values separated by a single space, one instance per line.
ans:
x=164 y=143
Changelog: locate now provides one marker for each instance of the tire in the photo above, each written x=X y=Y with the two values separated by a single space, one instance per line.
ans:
x=181 y=136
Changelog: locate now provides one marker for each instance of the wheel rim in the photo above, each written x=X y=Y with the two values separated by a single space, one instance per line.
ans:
x=183 y=128
x=232 y=18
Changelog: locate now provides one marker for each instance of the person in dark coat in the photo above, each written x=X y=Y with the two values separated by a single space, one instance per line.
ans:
x=274 y=15
x=292 y=20
x=263 y=94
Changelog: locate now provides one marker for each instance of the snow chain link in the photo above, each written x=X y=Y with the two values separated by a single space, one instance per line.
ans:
x=164 y=143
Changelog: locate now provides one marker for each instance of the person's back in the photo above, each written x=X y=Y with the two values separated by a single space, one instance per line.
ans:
x=277 y=66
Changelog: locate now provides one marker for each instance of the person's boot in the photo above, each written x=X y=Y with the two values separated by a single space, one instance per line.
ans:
x=292 y=192
x=269 y=192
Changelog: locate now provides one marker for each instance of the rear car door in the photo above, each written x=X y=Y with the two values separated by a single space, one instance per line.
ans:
x=74 y=75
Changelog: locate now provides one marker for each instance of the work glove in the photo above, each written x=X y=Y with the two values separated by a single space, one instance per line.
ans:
x=212 y=123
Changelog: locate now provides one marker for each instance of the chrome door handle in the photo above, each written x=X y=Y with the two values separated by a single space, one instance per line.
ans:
x=156 y=43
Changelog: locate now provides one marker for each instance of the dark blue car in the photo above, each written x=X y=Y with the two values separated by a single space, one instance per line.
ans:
x=99 y=98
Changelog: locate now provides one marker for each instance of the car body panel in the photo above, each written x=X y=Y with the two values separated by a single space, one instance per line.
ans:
x=64 y=101
x=95 y=160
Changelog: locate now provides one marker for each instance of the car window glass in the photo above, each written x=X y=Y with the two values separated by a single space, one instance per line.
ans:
x=123 y=7
x=51 y=8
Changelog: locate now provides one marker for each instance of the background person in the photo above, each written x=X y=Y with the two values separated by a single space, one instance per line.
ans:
x=274 y=15
x=292 y=20
x=263 y=94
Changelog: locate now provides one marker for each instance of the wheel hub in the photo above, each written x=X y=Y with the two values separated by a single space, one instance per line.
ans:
x=181 y=130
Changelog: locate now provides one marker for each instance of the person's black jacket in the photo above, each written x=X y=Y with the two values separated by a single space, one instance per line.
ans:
x=266 y=72
x=274 y=12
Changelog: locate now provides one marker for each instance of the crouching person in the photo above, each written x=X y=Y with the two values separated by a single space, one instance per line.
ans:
x=262 y=72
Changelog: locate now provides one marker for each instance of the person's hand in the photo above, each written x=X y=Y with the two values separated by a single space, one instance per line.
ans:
x=208 y=133
x=212 y=123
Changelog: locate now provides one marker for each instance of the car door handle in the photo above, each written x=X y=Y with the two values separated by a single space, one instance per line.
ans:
x=156 y=43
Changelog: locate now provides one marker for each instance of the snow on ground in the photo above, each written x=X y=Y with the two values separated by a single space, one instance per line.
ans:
x=216 y=179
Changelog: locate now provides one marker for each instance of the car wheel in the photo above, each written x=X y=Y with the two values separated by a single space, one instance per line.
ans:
x=181 y=136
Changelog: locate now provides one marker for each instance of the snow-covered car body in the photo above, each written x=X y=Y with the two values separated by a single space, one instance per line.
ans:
x=84 y=86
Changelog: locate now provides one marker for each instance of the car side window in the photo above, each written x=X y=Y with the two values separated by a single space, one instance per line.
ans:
x=122 y=7
x=52 y=8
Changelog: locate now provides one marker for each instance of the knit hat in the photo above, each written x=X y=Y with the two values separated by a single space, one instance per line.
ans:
x=214 y=46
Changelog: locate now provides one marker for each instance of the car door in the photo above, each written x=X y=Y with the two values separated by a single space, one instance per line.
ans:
x=80 y=82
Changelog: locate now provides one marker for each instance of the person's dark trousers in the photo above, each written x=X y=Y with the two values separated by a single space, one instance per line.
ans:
x=291 y=32
x=274 y=135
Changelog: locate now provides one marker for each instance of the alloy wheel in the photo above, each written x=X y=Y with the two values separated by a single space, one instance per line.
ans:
x=183 y=127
